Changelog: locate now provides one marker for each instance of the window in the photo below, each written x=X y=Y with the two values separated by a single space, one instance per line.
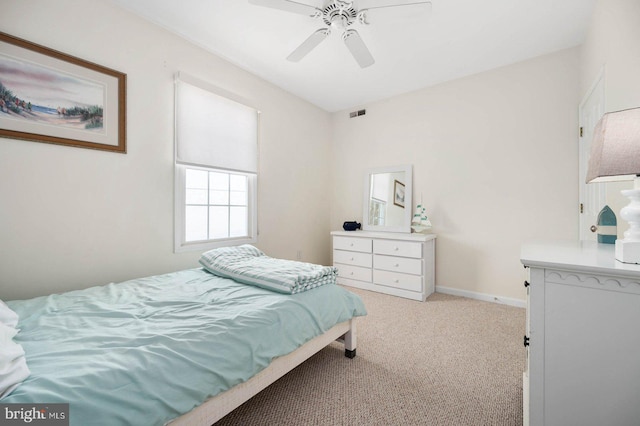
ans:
x=216 y=168
x=377 y=209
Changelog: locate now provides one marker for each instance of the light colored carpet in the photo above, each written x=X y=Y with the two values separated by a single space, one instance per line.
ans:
x=447 y=361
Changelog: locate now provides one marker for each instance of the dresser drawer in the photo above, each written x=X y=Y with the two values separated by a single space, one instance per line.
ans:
x=398 y=264
x=398 y=280
x=354 y=272
x=351 y=243
x=352 y=258
x=398 y=248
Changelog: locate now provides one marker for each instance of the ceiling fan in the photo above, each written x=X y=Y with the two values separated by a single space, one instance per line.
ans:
x=338 y=15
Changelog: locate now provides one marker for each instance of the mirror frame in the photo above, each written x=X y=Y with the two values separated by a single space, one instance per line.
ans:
x=408 y=199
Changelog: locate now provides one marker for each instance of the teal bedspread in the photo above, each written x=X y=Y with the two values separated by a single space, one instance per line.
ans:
x=146 y=351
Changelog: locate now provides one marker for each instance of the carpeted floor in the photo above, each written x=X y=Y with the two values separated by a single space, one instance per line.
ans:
x=447 y=361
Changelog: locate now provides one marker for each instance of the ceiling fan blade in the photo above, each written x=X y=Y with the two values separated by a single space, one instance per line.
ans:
x=289 y=6
x=425 y=4
x=309 y=44
x=385 y=13
x=357 y=48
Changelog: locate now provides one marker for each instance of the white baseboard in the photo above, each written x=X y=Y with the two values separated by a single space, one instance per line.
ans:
x=481 y=296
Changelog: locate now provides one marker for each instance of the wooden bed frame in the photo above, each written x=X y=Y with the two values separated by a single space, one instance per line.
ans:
x=222 y=404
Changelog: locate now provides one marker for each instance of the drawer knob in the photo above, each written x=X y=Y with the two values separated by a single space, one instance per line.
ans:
x=396 y=249
x=396 y=265
x=352 y=258
x=351 y=273
x=396 y=281
x=351 y=245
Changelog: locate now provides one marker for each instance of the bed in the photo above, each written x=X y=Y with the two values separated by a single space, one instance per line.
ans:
x=184 y=348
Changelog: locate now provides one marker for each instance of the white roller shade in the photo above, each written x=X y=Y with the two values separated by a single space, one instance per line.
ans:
x=212 y=130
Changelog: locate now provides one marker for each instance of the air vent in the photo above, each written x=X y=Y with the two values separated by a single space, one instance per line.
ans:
x=357 y=113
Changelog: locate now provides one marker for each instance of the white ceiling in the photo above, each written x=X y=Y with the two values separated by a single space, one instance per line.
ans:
x=412 y=48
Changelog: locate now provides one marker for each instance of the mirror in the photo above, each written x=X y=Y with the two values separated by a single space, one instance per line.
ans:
x=387 y=202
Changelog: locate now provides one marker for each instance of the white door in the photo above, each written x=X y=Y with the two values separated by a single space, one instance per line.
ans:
x=593 y=195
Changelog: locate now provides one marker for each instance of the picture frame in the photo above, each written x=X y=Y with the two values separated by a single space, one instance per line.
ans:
x=398 y=193
x=51 y=97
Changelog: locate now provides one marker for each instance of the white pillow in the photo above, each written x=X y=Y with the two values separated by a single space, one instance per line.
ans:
x=7 y=316
x=13 y=363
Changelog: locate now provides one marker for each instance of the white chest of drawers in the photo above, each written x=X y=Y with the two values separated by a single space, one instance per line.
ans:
x=582 y=336
x=398 y=264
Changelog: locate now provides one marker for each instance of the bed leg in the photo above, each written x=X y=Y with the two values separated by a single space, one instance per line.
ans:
x=350 y=340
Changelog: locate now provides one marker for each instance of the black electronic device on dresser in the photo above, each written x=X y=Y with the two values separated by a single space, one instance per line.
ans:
x=351 y=226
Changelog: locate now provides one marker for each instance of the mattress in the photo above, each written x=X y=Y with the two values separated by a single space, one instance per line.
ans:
x=148 y=350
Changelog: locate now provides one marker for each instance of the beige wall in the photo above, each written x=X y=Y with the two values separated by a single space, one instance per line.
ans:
x=72 y=218
x=613 y=44
x=495 y=162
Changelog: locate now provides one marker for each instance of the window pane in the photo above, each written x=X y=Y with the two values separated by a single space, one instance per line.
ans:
x=219 y=181
x=238 y=221
x=218 y=222
x=195 y=223
x=196 y=196
x=238 y=183
x=219 y=197
x=196 y=178
x=238 y=198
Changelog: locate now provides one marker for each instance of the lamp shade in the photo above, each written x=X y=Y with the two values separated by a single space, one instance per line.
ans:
x=615 y=149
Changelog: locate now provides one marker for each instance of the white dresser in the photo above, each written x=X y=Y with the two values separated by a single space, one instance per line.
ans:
x=393 y=263
x=583 y=336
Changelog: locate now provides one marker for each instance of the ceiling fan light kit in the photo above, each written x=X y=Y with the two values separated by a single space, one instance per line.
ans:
x=337 y=15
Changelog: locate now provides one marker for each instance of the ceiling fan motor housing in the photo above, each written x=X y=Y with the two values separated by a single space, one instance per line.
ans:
x=338 y=16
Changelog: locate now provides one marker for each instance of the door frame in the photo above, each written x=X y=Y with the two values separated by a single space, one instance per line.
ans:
x=599 y=191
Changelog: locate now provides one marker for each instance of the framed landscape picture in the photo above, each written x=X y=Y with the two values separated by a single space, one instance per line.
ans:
x=48 y=96
x=398 y=193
